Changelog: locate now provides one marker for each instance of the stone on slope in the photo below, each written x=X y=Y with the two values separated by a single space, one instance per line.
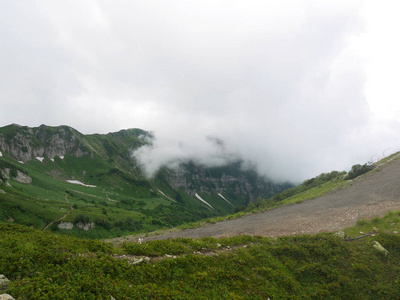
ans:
x=4 y=281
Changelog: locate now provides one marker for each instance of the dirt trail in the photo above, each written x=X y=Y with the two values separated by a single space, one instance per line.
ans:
x=59 y=219
x=372 y=195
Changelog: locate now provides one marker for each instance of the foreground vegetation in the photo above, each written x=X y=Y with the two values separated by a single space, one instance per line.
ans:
x=42 y=265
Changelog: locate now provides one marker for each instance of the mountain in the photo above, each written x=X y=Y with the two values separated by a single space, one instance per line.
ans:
x=52 y=178
x=59 y=179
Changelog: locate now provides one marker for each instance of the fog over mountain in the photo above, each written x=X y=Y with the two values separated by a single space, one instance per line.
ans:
x=295 y=87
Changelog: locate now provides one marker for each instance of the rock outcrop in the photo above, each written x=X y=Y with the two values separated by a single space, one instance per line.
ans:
x=25 y=144
x=195 y=178
x=5 y=173
x=85 y=226
x=66 y=225
x=19 y=176
x=23 y=178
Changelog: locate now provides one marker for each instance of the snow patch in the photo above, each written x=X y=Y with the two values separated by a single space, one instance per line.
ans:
x=219 y=194
x=204 y=201
x=1 y=154
x=52 y=159
x=21 y=162
x=166 y=195
x=41 y=159
x=62 y=156
x=80 y=183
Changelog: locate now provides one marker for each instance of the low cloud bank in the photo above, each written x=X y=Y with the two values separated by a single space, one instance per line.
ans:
x=165 y=151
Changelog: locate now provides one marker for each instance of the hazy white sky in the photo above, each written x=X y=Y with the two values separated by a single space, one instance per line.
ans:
x=296 y=87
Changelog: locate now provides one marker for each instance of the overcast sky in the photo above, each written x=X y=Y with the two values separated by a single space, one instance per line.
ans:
x=295 y=87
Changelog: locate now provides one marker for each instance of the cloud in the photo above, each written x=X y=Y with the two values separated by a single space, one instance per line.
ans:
x=170 y=152
x=287 y=85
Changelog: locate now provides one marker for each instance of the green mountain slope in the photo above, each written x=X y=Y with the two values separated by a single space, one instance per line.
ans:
x=42 y=265
x=89 y=185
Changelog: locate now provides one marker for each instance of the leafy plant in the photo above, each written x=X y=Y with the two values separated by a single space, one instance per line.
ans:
x=43 y=265
x=358 y=170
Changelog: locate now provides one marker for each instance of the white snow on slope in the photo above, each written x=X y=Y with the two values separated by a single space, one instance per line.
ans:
x=1 y=154
x=166 y=195
x=41 y=159
x=204 y=201
x=21 y=162
x=225 y=199
x=80 y=183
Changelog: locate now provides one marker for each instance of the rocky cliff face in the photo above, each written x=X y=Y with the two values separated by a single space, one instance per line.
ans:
x=231 y=179
x=25 y=144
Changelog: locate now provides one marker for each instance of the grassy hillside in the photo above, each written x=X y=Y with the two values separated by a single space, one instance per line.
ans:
x=318 y=186
x=42 y=265
x=117 y=203
x=116 y=199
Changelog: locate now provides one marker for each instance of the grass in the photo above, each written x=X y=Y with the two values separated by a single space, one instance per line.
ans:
x=42 y=265
x=390 y=223
x=316 y=191
x=388 y=158
x=115 y=198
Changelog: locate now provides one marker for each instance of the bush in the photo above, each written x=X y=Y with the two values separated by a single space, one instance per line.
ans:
x=358 y=170
x=239 y=208
x=82 y=219
x=104 y=223
x=128 y=224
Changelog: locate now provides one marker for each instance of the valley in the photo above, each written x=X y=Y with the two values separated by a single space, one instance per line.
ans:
x=368 y=196
x=58 y=188
x=46 y=170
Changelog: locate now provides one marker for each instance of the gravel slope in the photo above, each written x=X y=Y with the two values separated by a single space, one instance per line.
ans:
x=373 y=194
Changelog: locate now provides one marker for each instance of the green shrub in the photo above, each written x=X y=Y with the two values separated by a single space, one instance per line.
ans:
x=103 y=223
x=129 y=224
x=358 y=170
x=82 y=219
x=42 y=265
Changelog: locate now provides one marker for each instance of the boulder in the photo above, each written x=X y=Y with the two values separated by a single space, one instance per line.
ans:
x=5 y=173
x=65 y=225
x=4 y=281
x=6 y=297
x=340 y=234
x=23 y=178
x=135 y=261
x=85 y=226
x=379 y=248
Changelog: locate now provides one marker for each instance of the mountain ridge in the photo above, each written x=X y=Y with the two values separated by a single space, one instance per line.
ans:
x=42 y=163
